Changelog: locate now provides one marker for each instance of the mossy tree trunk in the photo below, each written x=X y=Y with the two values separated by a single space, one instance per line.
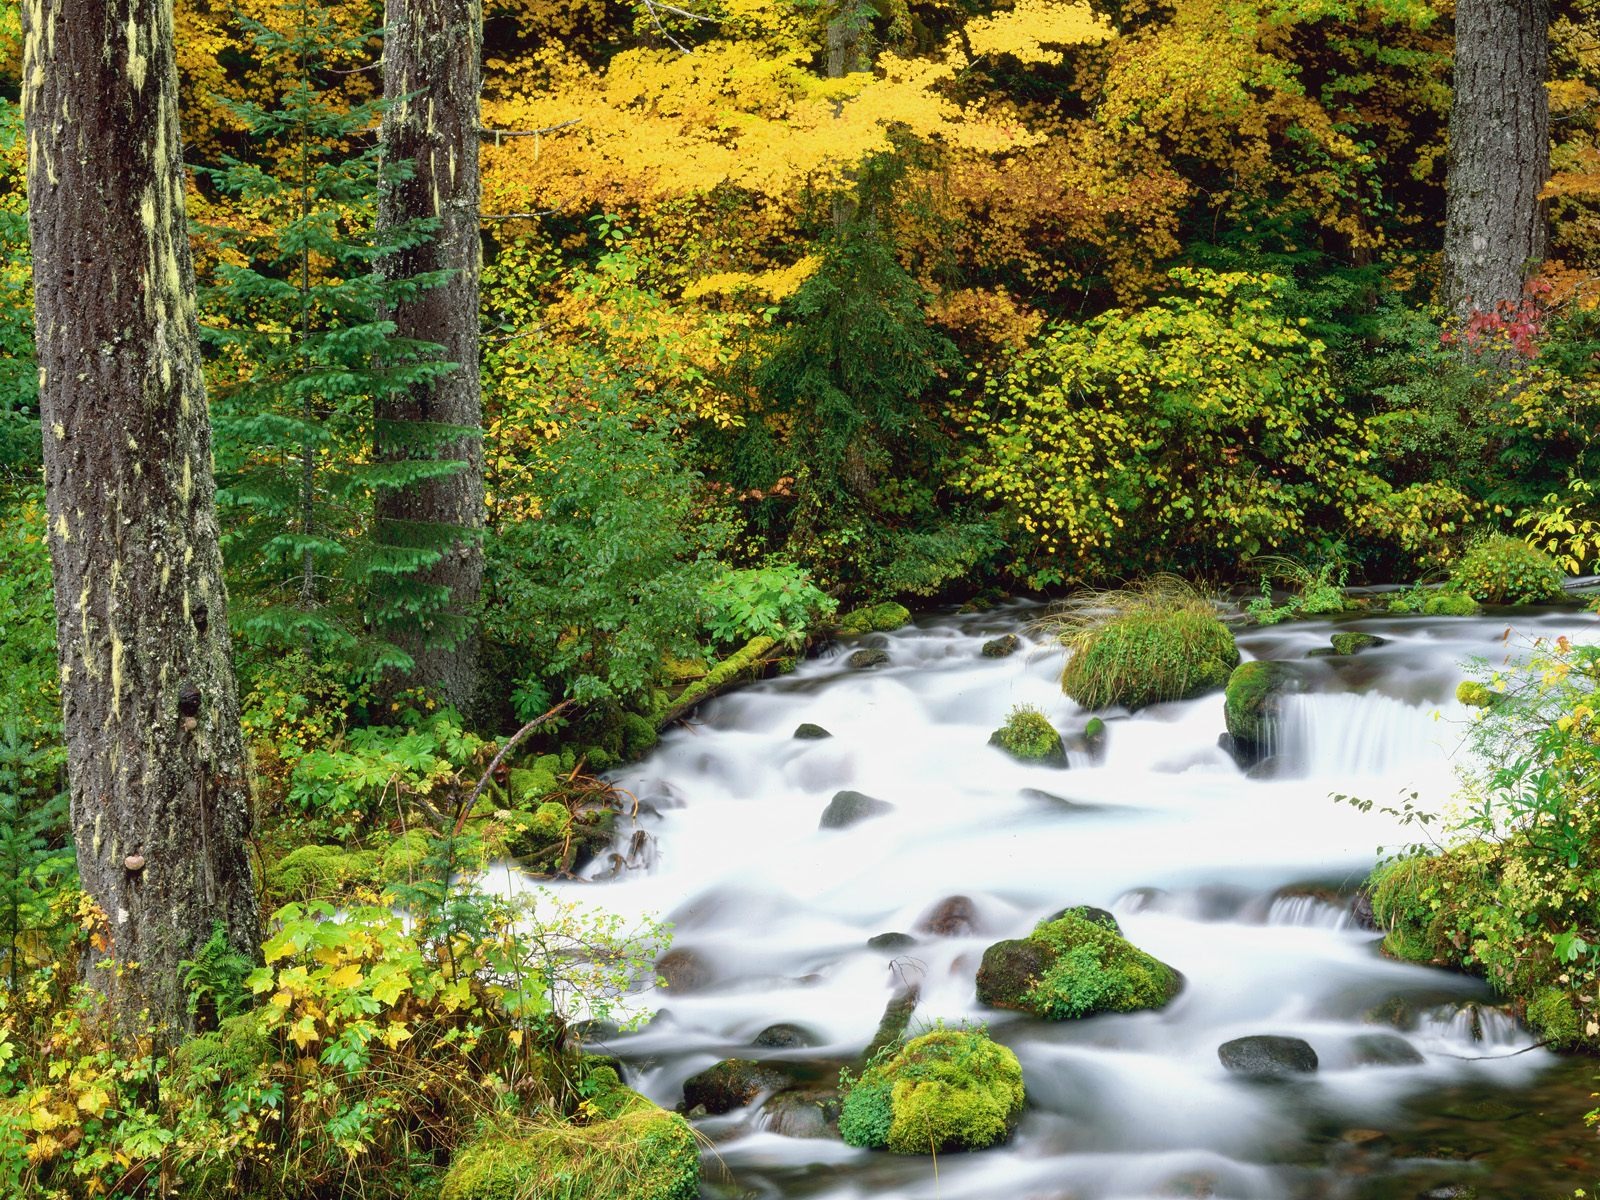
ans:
x=160 y=809
x=1499 y=152
x=432 y=77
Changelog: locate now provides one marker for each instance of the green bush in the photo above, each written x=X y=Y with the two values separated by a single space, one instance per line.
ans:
x=1158 y=641
x=779 y=602
x=946 y=1090
x=1506 y=570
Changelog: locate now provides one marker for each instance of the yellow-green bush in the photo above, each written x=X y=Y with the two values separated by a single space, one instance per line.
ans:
x=1506 y=570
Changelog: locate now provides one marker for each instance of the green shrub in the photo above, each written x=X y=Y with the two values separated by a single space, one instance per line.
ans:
x=946 y=1090
x=1422 y=902
x=1157 y=641
x=1028 y=736
x=1506 y=570
x=779 y=602
x=1315 y=591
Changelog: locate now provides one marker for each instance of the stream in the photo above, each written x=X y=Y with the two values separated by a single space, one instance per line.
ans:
x=1241 y=881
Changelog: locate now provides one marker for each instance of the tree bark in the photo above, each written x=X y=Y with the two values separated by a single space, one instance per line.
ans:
x=432 y=77
x=1499 y=152
x=160 y=805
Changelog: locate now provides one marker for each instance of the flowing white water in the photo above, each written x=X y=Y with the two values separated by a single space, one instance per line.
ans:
x=1197 y=859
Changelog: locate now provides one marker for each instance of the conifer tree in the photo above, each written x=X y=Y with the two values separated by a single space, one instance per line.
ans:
x=304 y=355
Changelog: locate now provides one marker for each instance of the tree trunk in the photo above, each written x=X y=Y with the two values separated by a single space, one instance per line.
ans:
x=1499 y=152
x=160 y=806
x=432 y=76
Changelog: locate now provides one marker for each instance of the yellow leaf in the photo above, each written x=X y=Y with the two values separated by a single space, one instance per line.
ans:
x=347 y=976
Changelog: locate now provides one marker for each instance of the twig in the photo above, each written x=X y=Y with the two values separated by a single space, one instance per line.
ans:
x=1488 y=1057
x=499 y=135
x=510 y=745
x=522 y=216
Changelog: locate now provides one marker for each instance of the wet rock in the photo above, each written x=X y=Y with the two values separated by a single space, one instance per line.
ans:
x=730 y=1084
x=861 y=660
x=684 y=970
x=1268 y=1056
x=1002 y=647
x=1361 y=914
x=955 y=916
x=891 y=943
x=1028 y=737
x=1095 y=916
x=851 y=808
x=784 y=1036
x=1354 y=643
x=1094 y=734
x=803 y=1113
x=807 y=732
x=1074 y=966
x=1251 y=706
x=1383 y=1050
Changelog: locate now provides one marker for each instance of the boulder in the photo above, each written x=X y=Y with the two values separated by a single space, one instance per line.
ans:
x=1251 y=705
x=1383 y=1050
x=891 y=943
x=684 y=970
x=807 y=732
x=955 y=916
x=1354 y=643
x=1268 y=1056
x=862 y=660
x=1028 y=736
x=784 y=1036
x=1072 y=966
x=732 y=1083
x=952 y=1089
x=1096 y=916
x=874 y=618
x=1002 y=647
x=849 y=808
x=803 y=1113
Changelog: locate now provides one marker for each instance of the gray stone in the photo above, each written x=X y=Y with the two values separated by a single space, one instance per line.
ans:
x=861 y=660
x=1384 y=1050
x=1268 y=1056
x=851 y=808
x=807 y=732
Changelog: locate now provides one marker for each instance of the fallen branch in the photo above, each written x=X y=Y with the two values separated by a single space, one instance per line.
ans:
x=511 y=744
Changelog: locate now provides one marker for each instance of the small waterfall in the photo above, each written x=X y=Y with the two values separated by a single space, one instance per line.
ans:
x=1308 y=912
x=1345 y=734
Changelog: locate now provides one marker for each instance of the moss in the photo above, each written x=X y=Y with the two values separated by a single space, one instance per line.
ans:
x=643 y=1153
x=405 y=854
x=946 y=1090
x=1251 y=703
x=1450 y=604
x=322 y=870
x=1554 y=1017
x=1506 y=570
x=638 y=735
x=538 y=778
x=1474 y=694
x=874 y=618
x=1148 y=655
x=1094 y=730
x=1073 y=966
x=742 y=664
x=1028 y=736
x=1354 y=643
x=538 y=836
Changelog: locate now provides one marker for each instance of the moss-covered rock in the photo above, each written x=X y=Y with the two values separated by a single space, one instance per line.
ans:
x=1449 y=603
x=747 y=662
x=1251 y=706
x=536 y=779
x=404 y=856
x=1073 y=966
x=946 y=1090
x=308 y=871
x=1147 y=656
x=874 y=618
x=1506 y=570
x=1002 y=647
x=1475 y=695
x=1421 y=902
x=642 y=1153
x=1028 y=736
x=862 y=660
x=1354 y=643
